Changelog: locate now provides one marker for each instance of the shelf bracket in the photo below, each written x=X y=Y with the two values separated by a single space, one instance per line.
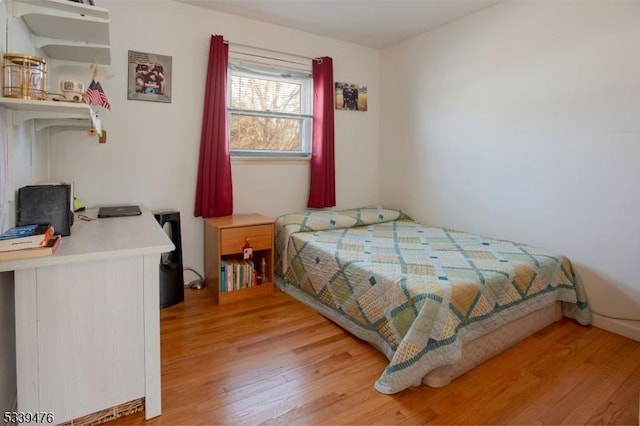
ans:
x=73 y=123
x=47 y=114
x=42 y=42
x=20 y=117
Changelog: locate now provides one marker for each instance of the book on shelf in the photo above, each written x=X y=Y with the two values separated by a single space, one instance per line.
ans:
x=223 y=276
x=27 y=253
x=25 y=237
x=236 y=274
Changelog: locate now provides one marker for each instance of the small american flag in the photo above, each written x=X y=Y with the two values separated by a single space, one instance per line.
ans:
x=95 y=95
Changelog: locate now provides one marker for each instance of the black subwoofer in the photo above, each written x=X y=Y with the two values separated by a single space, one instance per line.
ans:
x=171 y=277
x=46 y=204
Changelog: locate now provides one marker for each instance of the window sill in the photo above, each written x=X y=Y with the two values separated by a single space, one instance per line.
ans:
x=270 y=159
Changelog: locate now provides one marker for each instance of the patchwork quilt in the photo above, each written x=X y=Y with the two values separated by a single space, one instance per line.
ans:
x=416 y=292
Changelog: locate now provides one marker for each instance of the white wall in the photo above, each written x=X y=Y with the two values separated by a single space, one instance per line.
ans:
x=15 y=144
x=522 y=122
x=24 y=166
x=151 y=154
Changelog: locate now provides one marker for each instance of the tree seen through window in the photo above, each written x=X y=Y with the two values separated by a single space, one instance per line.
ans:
x=268 y=114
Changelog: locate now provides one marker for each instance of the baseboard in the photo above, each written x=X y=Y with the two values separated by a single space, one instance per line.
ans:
x=109 y=414
x=97 y=418
x=626 y=328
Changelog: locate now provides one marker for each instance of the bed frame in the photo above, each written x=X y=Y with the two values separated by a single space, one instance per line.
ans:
x=483 y=348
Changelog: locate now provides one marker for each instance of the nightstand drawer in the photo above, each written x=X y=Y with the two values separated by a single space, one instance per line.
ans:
x=233 y=239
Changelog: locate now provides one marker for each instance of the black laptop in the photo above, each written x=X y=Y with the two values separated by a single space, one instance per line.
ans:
x=118 y=211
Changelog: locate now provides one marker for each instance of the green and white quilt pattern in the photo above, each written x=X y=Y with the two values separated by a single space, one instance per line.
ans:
x=412 y=290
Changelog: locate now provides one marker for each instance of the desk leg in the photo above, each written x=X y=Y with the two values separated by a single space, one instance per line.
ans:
x=26 y=305
x=153 y=402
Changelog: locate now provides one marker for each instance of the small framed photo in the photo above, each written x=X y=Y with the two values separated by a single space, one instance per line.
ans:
x=149 y=77
x=351 y=96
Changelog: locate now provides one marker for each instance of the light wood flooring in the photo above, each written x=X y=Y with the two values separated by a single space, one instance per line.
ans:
x=275 y=361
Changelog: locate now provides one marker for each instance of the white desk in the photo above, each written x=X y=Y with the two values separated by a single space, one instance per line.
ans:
x=87 y=319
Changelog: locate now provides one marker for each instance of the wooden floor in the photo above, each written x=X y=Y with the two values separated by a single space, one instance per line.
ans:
x=275 y=361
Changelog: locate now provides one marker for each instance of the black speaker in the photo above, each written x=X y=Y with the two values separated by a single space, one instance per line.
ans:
x=49 y=204
x=171 y=277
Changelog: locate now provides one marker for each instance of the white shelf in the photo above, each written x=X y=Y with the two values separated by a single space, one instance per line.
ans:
x=67 y=30
x=52 y=113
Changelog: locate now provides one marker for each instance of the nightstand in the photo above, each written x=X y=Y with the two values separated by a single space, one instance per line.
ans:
x=224 y=240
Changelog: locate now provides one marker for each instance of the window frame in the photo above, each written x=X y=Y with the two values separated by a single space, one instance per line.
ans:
x=243 y=68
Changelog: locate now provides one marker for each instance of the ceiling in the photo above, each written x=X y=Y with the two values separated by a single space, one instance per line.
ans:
x=373 y=23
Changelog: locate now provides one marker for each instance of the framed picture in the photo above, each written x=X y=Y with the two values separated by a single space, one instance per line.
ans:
x=149 y=77
x=351 y=96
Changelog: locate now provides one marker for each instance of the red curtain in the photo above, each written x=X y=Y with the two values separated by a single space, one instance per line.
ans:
x=214 y=195
x=322 y=191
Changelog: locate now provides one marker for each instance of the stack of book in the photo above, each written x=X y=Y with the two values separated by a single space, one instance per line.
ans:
x=237 y=274
x=27 y=241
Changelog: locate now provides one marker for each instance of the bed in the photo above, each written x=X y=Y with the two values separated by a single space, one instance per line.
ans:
x=435 y=301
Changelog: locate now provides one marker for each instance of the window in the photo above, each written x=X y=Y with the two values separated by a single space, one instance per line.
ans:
x=269 y=111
